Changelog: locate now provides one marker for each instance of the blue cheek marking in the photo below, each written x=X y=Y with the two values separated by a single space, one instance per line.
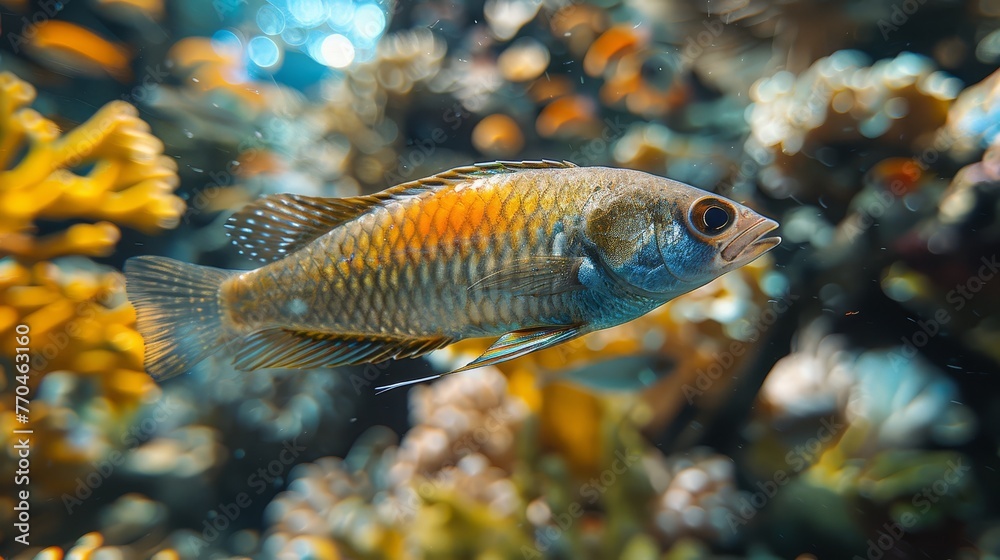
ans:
x=648 y=271
x=689 y=260
x=589 y=276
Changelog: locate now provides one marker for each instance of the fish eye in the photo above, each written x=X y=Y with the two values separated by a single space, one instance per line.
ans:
x=710 y=216
x=716 y=218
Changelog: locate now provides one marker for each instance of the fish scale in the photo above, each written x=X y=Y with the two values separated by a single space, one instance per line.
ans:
x=379 y=306
x=536 y=253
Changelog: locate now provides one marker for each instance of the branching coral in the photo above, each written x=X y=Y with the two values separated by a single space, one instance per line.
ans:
x=109 y=168
x=87 y=378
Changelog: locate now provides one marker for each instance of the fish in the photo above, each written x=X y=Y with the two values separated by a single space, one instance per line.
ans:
x=534 y=253
x=623 y=374
x=76 y=50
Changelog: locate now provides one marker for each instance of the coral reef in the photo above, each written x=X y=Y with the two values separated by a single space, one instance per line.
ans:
x=467 y=468
x=86 y=377
x=853 y=427
x=698 y=498
x=128 y=181
x=451 y=472
x=798 y=122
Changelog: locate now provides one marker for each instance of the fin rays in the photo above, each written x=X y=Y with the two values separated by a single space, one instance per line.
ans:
x=507 y=347
x=537 y=276
x=177 y=312
x=284 y=348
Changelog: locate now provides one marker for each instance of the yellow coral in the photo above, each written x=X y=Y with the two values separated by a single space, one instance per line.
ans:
x=83 y=341
x=109 y=169
x=85 y=352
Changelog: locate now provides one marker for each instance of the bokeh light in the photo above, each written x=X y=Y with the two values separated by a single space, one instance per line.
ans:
x=270 y=20
x=337 y=51
x=263 y=51
x=226 y=43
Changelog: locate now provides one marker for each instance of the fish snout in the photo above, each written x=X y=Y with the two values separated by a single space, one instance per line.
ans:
x=753 y=241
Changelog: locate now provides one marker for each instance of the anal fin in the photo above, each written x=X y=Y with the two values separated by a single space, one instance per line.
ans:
x=285 y=348
x=509 y=346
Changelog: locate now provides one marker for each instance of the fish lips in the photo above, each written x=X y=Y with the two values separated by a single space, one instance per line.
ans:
x=753 y=242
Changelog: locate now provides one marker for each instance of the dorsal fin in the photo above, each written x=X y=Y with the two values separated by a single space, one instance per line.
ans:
x=277 y=225
x=495 y=167
x=274 y=226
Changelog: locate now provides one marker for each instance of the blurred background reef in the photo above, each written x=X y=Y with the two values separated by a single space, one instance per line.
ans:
x=836 y=398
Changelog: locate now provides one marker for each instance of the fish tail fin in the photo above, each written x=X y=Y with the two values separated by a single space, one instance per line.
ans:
x=177 y=311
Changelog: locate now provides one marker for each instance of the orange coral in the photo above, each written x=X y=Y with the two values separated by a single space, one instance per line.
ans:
x=66 y=46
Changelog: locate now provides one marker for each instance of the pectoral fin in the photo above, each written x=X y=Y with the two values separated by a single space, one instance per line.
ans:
x=536 y=276
x=507 y=347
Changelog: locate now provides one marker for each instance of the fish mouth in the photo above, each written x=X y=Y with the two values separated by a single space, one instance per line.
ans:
x=752 y=243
